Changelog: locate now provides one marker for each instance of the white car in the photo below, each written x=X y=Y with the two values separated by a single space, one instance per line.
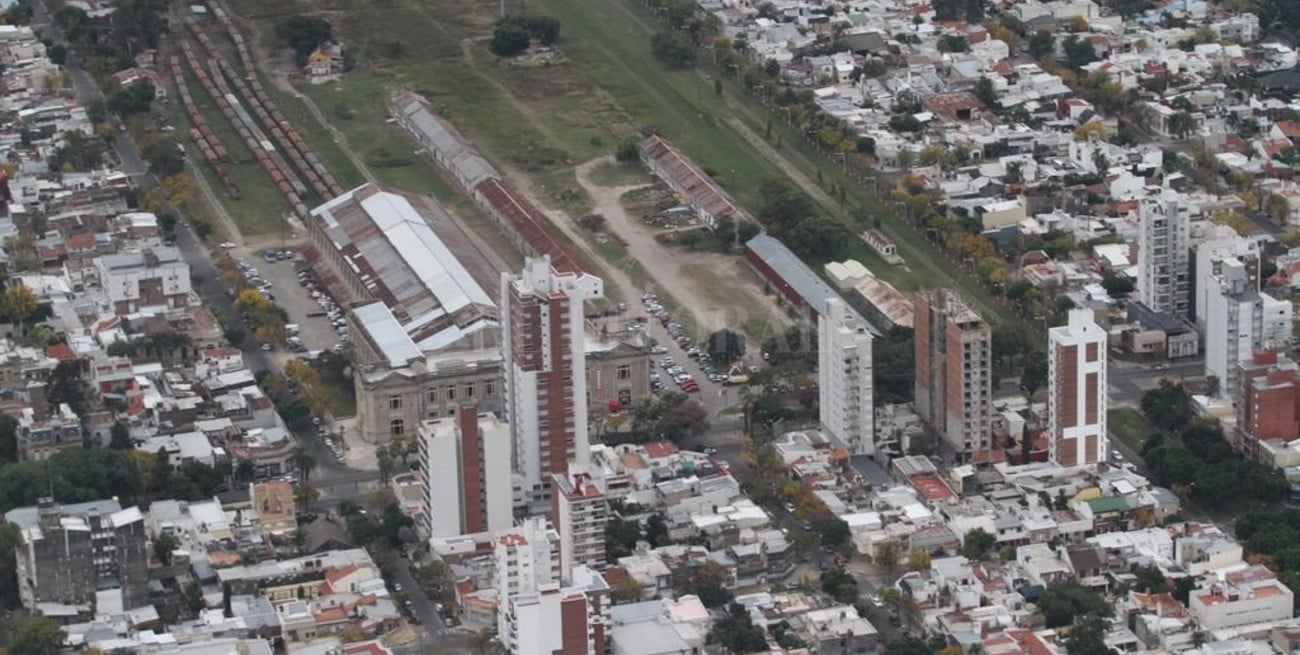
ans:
x=227 y=245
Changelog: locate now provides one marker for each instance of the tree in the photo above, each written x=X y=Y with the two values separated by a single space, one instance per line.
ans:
x=918 y=560
x=1118 y=286
x=977 y=544
x=194 y=596
x=656 y=531
x=725 y=347
x=163 y=546
x=132 y=99
x=38 y=636
x=18 y=303
x=620 y=537
x=1167 y=406
x=304 y=462
x=120 y=437
x=736 y=632
x=629 y=150
x=986 y=93
x=546 y=29
x=840 y=585
x=887 y=557
x=1088 y=637
x=8 y=439
x=817 y=236
x=1062 y=604
x=1041 y=44
x=672 y=50
x=164 y=157
x=833 y=531
x=66 y=386
x=304 y=34
x=509 y=37
x=627 y=590
x=1078 y=51
x=1034 y=375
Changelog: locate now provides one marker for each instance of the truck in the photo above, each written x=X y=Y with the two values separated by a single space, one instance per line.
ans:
x=292 y=329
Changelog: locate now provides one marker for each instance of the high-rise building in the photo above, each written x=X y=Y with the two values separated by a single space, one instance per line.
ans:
x=537 y=612
x=467 y=486
x=844 y=373
x=1208 y=262
x=580 y=511
x=545 y=371
x=1239 y=320
x=1162 y=252
x=1076 y=398
x=67 y=554
x=954 y=384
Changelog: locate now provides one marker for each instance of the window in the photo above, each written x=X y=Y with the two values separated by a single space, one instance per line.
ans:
x=433 y=413
x=451 y=392
x=624 y=372
x=469 y=389
x=625 y=397
x=394 y=402
x=431 y=394
x=489 y=388
x=397 y=427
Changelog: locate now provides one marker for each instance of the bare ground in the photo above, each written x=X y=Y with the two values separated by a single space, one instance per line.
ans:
x=714 y=288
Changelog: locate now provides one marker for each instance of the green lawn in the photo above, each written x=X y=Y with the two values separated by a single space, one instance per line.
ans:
x=1130 y=426
x=543 y=120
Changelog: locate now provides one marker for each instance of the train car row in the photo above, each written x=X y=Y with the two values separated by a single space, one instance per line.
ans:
x=209 y=147
x=259 y=93
x=285 y=182
x=249 y=88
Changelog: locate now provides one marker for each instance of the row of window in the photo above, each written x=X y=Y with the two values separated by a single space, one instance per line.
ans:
x=468 y=390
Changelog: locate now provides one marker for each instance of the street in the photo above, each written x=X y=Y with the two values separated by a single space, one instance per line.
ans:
x=433 y=633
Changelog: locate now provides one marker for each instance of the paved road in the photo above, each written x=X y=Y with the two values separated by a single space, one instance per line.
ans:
x=434 y=634
x=1129 y=380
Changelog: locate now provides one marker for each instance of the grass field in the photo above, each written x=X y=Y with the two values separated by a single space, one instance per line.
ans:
x=1130 y=426
x=541 y=121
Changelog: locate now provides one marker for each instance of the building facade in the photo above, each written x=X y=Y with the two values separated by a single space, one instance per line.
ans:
x=1162 y=252
x=954 y=385
x=467 y=474
x=545 y=364
x=1076 y=398
x=1240 y=320
x=844 y=384
x=68 y=553
x=1268 y=401
x=580 y=511
x=150 y=281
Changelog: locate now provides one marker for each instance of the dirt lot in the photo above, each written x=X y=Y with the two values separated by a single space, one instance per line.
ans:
x=719 y=290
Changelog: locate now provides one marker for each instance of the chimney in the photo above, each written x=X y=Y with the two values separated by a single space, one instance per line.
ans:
x=36 y=398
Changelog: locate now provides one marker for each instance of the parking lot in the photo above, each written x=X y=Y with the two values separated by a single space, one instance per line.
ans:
x=682 y=363
x=285 y=289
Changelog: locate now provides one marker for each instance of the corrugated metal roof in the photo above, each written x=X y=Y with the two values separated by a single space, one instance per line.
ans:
x=389 y=240
x=812 y=289
x=685 y=176
x=386 y=334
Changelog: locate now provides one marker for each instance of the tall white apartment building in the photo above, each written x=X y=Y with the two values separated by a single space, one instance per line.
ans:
x=1207 y=265
x=1076 y=402
x=1240 y=320
x=844 y=374
x=580 y=511
x=545 y=363
x=1162 y=252
x=467 y=487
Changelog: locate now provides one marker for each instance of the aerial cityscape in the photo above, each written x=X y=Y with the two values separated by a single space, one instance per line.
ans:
x=649 y=327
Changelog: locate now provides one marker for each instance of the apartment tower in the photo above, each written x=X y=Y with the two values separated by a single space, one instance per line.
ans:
x=580 y=511
x=846 y=403
x=467 y=486
x=545 y=371
x=1076 y=403
x=954 y=385
x=1164 y=283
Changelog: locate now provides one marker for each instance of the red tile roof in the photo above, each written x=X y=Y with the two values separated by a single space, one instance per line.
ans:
x=60 y=351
